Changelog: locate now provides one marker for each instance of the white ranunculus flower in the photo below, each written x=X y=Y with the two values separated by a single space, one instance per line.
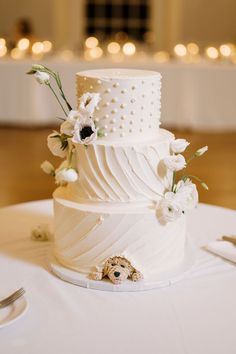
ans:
x=168 y=209
x=48 y=168
x=55 y=145
x=175 y=162
x=65 y=175
x=89 y=101
x=187 y=194
x=201 y=151
x=85 y=132
x=42 y=77
x=178 y=145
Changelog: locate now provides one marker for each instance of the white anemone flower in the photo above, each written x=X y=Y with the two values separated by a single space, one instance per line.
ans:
x=55 y=145
x=85 y=132
x=89 y=101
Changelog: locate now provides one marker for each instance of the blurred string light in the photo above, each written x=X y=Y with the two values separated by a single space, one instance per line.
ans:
x=212 y=53
x=225 y=50
x=37 y=48
x=23 y=44
x=193 y=48
x=93 y=53
x=129 y=49
x=3 y=48
x=91 y=42
x=180 y=50
x=47 y=46
x=17 y=54
x=3 y=51
x=2 y=42
x=113 y=48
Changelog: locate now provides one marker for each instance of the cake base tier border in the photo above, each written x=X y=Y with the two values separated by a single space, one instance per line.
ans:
x=161 y=280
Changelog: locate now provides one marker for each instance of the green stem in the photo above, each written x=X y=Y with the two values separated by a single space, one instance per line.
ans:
x=191 y=158
x=57 y=98
x=56 y=77
x=197 y=179
x=173 y=183
x=70 y=155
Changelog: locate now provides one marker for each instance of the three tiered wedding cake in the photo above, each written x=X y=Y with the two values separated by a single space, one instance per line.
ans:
x=119 y=211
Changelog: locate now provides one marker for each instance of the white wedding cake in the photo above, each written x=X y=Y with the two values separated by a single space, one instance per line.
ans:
x=119 y=210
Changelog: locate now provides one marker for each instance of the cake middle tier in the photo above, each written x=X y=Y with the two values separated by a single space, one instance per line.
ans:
x=121 y=173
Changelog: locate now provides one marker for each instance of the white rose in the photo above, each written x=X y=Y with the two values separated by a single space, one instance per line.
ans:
x=42 y=77
x=85 y=132
x=66 y=175
x=55 y=145
x=48 y=168
x=89 y=101
x=168 y=209
x=178 y=145
x=175 y=162
x=187 y=194
x=201 y=151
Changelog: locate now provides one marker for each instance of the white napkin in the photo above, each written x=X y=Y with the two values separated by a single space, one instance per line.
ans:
x=223 y=249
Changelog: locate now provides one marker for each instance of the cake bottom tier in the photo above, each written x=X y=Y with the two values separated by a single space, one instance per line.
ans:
x=87 y=235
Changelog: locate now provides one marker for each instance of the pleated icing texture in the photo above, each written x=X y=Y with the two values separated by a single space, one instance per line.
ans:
x=111 y=173
x=84 y=239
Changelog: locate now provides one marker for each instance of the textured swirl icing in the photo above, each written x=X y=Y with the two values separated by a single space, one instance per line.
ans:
x=130 y=101
x=86 y=236
x=120 y=173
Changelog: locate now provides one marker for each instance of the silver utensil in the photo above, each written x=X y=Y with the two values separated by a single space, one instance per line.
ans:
x=11 y=298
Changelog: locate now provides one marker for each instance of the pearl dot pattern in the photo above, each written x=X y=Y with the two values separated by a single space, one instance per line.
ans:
x=129 y=108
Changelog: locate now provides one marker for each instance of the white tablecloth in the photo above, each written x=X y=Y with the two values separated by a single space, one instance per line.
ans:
x=194 y=316
x=196 y=96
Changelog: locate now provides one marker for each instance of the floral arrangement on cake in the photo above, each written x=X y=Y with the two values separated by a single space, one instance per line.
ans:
x=79 y=127
x=183 y=194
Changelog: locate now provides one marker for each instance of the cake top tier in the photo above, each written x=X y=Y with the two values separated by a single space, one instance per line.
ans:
x=129 y=106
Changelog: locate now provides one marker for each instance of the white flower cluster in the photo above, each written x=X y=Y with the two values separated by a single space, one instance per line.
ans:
x=79 y=126
x=183 y=195
x=174 y=204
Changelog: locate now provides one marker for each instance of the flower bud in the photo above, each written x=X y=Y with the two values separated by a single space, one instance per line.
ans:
x=48 y=168
x=201 y=151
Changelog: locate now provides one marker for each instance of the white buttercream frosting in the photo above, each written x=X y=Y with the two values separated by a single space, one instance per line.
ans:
x=130 y=101
x=111 y=209
x=121 y=173
x=87 y=235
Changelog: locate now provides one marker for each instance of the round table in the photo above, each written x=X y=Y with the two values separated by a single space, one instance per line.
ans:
x=196 y=315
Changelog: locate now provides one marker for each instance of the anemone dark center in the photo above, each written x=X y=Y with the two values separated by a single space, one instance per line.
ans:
x=86 y=132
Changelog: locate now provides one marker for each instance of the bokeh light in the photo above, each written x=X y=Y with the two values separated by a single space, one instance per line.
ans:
x=180 y=50
x=91 y=42
x=212 y=52
x=113 y=48
x=129 y=48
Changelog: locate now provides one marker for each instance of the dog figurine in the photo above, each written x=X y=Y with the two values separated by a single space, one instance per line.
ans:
x=117 y=269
